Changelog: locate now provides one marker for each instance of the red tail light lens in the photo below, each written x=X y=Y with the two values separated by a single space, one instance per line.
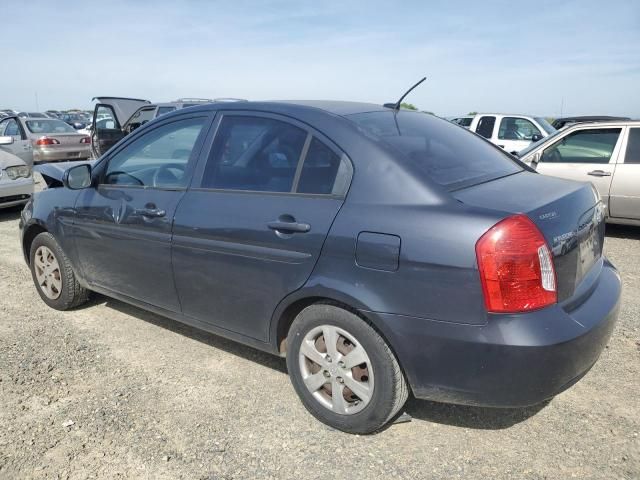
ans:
x=85 y=140
x=47 y=141
x=516 y=267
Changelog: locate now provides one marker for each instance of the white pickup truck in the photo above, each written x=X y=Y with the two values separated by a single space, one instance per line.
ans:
x=511 y=132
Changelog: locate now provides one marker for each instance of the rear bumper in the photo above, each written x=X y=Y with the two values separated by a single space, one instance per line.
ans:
x=15 y=192
x=55 y=154
x=513 y=360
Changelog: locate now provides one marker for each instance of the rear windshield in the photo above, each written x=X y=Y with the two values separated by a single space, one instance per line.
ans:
x=445 y=153
x=49 y=126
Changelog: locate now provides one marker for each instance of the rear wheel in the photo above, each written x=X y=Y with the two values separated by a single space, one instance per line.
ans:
x=52 y=274
x=343 y=371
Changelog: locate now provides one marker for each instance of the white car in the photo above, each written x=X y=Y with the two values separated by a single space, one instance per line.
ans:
x=16 y=181
x=511 y=131
x=607 y=154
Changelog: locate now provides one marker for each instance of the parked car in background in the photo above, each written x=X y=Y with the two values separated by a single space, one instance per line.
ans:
x=559 y=123
x=463 y=121
x=16 y=181
x=115 y=117
x=380 y=250
x=54 y=113
x=76 y=120
x=607 y=154
x=38 y=140
x=32 y=115
x=511 y=132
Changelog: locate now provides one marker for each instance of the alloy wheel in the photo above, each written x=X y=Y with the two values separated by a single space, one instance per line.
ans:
x=336 y=369
x=47 y=272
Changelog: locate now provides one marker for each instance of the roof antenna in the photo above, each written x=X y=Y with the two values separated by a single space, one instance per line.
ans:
x=396 y=106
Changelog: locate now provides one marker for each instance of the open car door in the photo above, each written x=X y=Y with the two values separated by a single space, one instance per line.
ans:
x=109 y=118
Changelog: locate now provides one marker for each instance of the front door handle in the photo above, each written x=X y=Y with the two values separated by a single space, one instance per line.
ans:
x=599 y=173
x=150 y=212
x=289 y=227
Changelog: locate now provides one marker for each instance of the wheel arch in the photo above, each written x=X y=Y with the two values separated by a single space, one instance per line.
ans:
x=31 y=231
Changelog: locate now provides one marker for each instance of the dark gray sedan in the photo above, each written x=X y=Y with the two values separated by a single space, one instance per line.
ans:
x=380 y=251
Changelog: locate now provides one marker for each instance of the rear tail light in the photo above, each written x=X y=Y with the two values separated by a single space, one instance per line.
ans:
x=516 y=267
x=85 y=140
x=47 y=141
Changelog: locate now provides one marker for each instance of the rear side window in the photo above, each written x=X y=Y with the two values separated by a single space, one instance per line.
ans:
x=254 y=153
x=583 y=146
x=633 y=146
x=485 y=126
x=439 y=150
x=319 y=170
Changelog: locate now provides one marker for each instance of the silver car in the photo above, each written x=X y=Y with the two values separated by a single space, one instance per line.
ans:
x=605 y=153
x=16 y=181
x=38 y=140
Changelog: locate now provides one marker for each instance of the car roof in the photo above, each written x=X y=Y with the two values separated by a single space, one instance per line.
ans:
x=509 y=114
x=605 y=123
x=335 y=107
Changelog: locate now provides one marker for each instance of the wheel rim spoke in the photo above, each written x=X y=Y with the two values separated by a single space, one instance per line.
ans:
x=316 y=381
x=361 y=390
x=309 y=350
x=331 y=340
x=355 y=357
x=338 y=402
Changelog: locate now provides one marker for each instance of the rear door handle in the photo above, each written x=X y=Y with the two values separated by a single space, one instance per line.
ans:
x=150 y=212
x=289 y=227
x=599 y=173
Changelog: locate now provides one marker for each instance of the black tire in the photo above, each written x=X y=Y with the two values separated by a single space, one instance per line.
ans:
x=71 y=294
x=390 y=390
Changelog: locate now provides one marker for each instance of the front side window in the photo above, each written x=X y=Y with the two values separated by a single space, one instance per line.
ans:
x=583 y=146
x=485 y=126
x=163 y=110
x=513 y=128
x=106 y=119
x=158 y=158
x=13 y=129
x=633 y=146
x=254 y=153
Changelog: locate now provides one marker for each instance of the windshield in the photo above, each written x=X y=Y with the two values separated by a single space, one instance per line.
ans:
x=533 y=146
x=49 y=126
x=546 y=125
x=445 y=153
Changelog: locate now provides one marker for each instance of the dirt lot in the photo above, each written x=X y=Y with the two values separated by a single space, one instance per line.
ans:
x=110 y=391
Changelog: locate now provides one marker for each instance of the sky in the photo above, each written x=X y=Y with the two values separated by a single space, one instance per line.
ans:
x=540 y=58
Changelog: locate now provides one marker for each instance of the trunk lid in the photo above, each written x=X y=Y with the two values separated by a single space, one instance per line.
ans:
x=569 y=215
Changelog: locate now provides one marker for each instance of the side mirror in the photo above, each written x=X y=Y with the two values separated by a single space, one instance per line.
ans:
x=536 y=137
x=535 y=160
x=6 y=140
x=78 y=177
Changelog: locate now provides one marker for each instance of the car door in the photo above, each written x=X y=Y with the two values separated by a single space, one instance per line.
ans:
x=110 y=115
x=515 y=133
x=586 y=154
x=625 y=187
x=250 y=229
x=21 y=145
x=123 y=223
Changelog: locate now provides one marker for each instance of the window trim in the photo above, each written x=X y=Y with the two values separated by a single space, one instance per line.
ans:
x=101 y=167
x=198 y=176
x=493 y=127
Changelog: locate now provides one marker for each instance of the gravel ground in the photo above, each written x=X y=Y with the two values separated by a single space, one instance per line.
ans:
x=111 y=391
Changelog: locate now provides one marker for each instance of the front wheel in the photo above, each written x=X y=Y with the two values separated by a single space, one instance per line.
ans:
x=53 y=276
x=344 y=372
